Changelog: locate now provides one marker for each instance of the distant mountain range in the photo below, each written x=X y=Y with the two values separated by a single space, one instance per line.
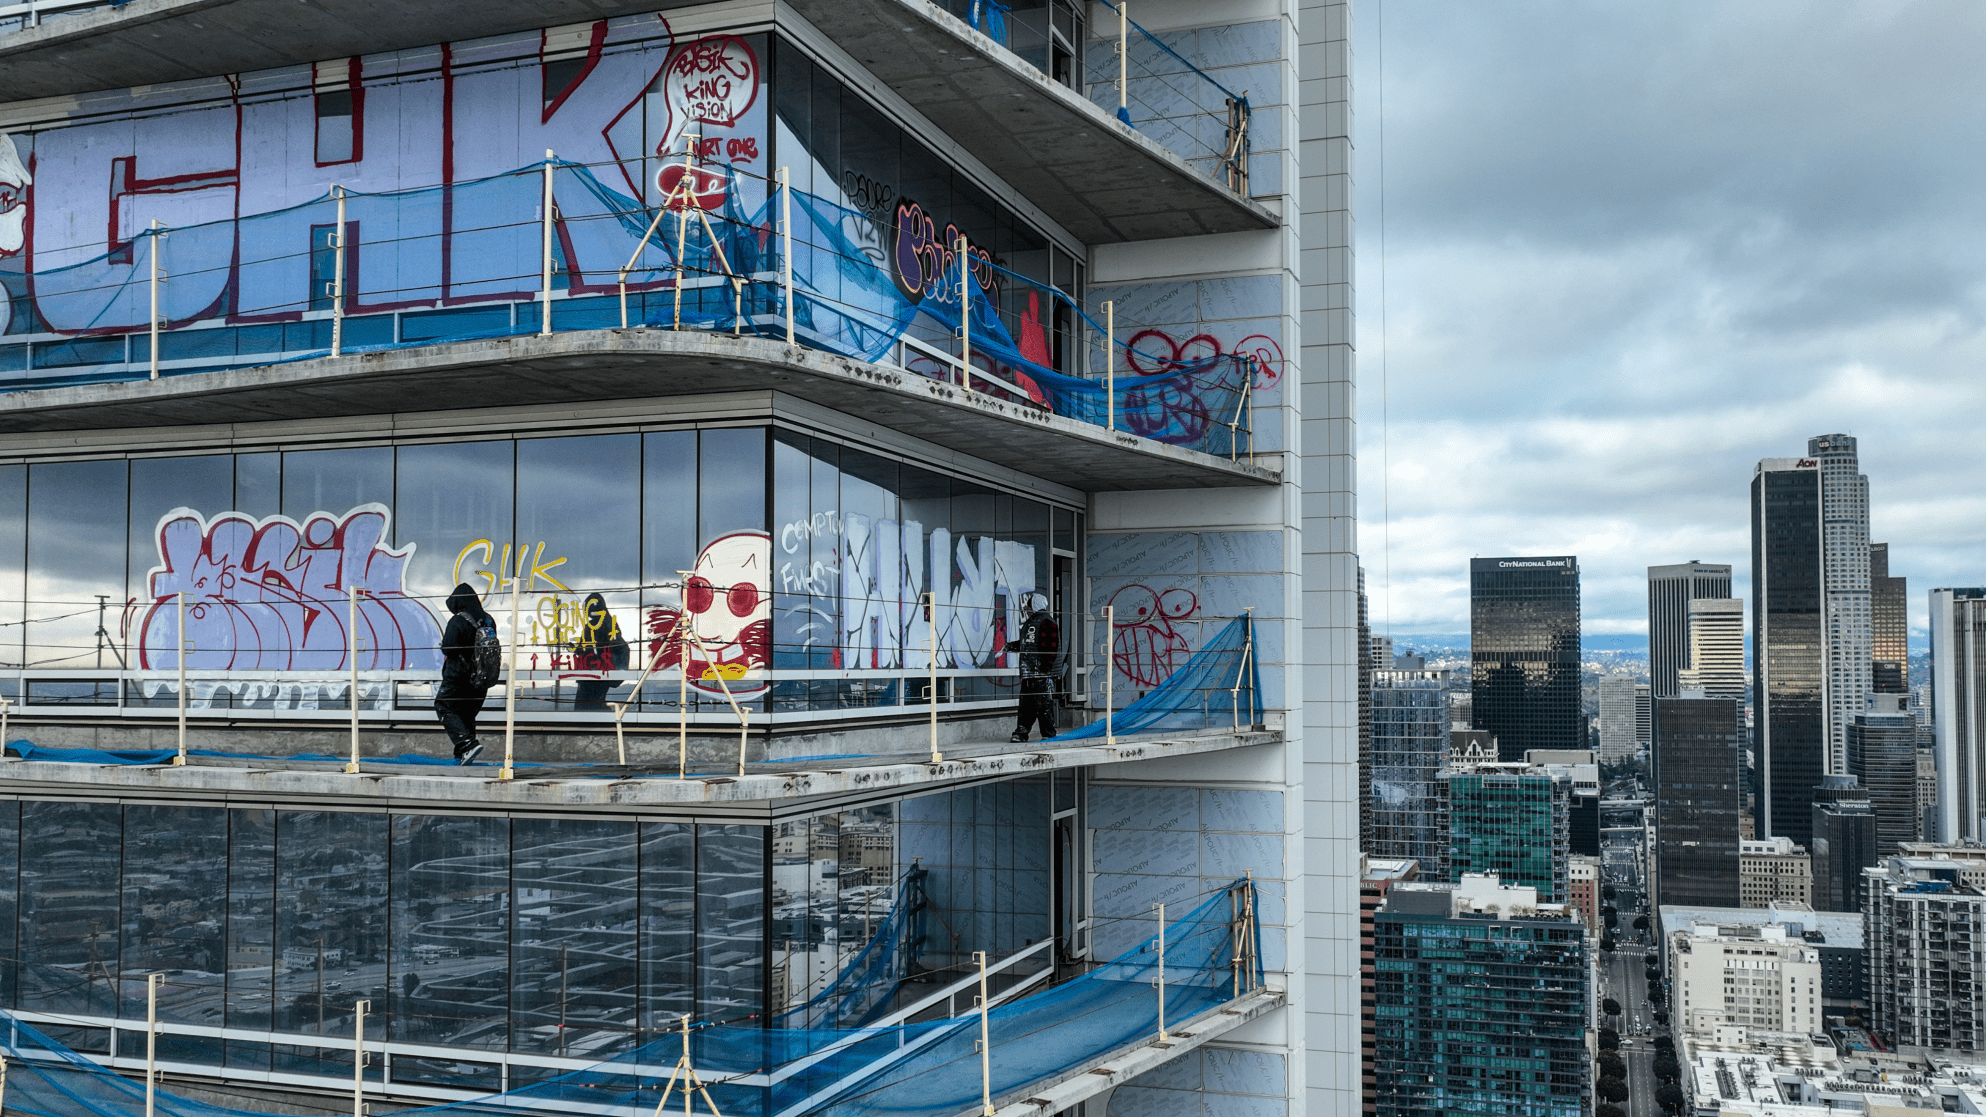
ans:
x=1458 y=643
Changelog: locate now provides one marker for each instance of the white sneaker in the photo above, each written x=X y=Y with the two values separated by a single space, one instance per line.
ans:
x=469 y=755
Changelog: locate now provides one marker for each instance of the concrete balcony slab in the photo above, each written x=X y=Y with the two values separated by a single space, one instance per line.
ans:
x=766 y=791
x=590 y=365
x=1100 y=179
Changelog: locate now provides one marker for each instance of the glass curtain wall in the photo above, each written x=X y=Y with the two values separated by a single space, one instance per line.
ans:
x=529 y=937
x=809 y=564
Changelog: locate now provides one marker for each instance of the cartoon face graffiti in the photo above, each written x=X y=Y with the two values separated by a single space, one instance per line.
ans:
x=724 y=628
x=14 y=183
x=1147 y=647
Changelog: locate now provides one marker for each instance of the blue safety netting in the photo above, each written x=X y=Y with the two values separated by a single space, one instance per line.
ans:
x=1219 y=686
x=929 y=1068
x=860 y=289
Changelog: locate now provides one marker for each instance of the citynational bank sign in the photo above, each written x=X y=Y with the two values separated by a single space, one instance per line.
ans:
x=1558 y=564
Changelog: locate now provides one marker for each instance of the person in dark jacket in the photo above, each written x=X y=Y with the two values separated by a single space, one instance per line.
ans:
x=600 y=647
x=1040 y=646
x=459 y=700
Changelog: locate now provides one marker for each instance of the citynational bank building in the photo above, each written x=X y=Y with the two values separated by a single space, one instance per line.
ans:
x=803 y=389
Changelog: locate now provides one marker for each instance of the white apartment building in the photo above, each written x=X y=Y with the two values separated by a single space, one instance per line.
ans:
x=1774 y=870
x=1746 y=977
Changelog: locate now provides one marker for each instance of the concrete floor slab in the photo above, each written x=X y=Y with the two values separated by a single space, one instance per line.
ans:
x=585 y=365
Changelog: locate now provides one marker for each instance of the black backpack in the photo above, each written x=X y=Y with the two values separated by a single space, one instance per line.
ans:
x=489 y=653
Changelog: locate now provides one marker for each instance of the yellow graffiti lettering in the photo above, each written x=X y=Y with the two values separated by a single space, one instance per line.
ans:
x=489 y=580
x=501 y=579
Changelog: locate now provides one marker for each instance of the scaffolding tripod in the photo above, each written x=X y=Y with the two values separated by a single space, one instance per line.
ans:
x=686 y=1073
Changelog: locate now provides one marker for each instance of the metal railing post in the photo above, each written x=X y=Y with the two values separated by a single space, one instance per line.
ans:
x=338 y=276
x=184 y=644
x=152 y=982
x=1110 y=364
x=359 y=1057
x=931 y=623
x=687 y=190
x=1109 y=674
x=985 y=1044
x=1160 y=982
x=6 y=704
x=1123 y=53
x=965 y=315
x=510 y=682
x=545 y=277
x=681 y=633
x=786 y=210
x=158 y=277
x=352 y=641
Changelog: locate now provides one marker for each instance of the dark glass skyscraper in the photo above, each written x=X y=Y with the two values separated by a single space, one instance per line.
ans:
x=1889 y=622
x=1789 y=741
x=1698 y=791
x=1844 y=843
x=1882 y=754
x=1524 y=653
x=1670 y=590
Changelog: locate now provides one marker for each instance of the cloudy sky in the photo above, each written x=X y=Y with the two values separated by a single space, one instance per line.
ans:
x=1629 y=250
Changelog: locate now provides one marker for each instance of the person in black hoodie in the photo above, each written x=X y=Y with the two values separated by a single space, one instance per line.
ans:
x=1040 y=649
x=460 y=699
x=600 y=647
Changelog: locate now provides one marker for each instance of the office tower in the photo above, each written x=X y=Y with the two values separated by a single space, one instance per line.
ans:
x=1409 y=745
x=1524 y=652
x=1461 y=709
x=1924 y=920
x=1379 y=648
x=1644 y=714
x=1844 y=843
x=1716 y=650
x=1376 y=876
x=1958 y=709
x=1774 y=871
x=1512 y=819
x=1583 y=816
x=771 y=484
x=1765 y=977
x=1882 y=754
x=1698 y=794
x=1848 y=643
x=1889 y=625
x=1585 y=878
x=1789 y=719
x=1618 y=742
x=1483 y=997
x=1927 y=790
x=1366 y=663
x=1670 y=591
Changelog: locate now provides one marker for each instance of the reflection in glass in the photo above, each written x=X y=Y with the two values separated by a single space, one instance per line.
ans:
x=76 y=545
x=732 y=482
x=159 y=485
x=450 y=948
x=336 y=481
x=331 y=876
x=13 y=563
x=580 y=498
x=731 y=887
x=446 y=496
x=668 y=506
x=668 y=923
x=10 y=896
x=175 y=909
x=251 y=931
x=572 y=988
x=69 y=879
x=258 y=484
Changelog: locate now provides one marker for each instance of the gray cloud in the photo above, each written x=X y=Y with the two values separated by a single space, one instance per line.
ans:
x=1632 y=250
